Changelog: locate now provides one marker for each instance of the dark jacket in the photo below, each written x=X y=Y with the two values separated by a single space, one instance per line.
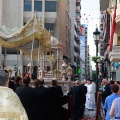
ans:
x=77 y=94
x=27 y=97
x=54 y=98
x=84 y=89
x=11 y=85
x=106 y=92
x=41 y=107
x=16 y=85
x=59 y=89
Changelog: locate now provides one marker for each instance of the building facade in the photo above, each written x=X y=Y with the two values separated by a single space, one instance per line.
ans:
x=75 y=12
x=84 y=50
x=60 y=17
x=111 y=49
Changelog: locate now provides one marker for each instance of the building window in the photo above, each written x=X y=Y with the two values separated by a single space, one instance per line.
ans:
x=38 y=6
x=49 y=26
x=27 y=5
x=50 y=6
x=9 y=51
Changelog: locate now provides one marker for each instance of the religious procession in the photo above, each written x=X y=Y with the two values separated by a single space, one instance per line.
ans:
x=53 y=65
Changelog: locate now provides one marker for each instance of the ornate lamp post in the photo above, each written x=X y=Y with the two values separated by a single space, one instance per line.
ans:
x=96 y=36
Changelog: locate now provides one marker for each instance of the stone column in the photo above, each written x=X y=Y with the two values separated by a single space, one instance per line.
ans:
x=33 y=7
x=43 y=12
x=1 y=12
x=1 y=23
x=21 y=63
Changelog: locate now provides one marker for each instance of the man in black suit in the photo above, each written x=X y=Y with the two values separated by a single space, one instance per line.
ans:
x=77 y=94
x=11 y=83
x=18 y=82
x=54 y=101
x=58 y=87
x=84 y=89
x=41 y=101
x=106 y=91
x=27 y=97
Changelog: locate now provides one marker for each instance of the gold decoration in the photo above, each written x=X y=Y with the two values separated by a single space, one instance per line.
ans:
x=9 y=72
x=32 y=30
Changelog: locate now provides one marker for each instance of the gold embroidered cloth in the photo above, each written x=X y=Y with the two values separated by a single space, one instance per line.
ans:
x=10 y=106
x=32 y=30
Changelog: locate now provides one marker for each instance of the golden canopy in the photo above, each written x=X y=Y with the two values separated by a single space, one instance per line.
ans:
x=32 y=30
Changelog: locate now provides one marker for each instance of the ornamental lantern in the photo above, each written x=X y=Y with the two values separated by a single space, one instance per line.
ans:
x=64 y=72
x=69 y=72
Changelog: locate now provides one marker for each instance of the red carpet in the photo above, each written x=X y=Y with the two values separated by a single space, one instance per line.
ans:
x=90 y=118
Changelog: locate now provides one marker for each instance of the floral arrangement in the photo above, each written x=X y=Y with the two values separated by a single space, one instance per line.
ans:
x=98 y=59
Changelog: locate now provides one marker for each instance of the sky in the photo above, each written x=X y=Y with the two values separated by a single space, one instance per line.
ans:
x=90 y=13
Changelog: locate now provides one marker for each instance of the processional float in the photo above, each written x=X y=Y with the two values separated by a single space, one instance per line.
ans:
x=34 y=41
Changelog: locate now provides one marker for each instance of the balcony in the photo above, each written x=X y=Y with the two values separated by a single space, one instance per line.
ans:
x=78 y=46
x=115 y=54
x=77 y=18
x=78 y=40
x=104 y=4
x=78 y=9
x=117 y=28
x=117 y=19
x=77 y=0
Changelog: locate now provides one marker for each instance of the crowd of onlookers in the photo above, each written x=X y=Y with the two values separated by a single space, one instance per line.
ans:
x=111 y=99
x=40 y=103
x=44 y=103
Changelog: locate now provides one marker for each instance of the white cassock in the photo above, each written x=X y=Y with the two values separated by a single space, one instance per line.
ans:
x=10 y=106
x=90 y=97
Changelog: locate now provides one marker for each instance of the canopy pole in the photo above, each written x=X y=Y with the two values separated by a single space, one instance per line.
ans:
x=38 y=60
x=17 y=60
x=31 y=61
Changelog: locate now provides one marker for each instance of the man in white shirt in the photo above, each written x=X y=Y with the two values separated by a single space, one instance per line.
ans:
x=90 y=97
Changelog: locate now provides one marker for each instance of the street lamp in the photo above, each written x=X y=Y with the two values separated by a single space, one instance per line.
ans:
x=96 y=36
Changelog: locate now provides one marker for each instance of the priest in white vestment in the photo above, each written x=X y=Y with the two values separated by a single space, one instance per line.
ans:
x=90 y=97
x=10 y=106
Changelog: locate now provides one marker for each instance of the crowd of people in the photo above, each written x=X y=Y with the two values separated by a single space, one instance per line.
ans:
x=36 y=102
x=111 y=99
x=20 y=99
x=40 y=103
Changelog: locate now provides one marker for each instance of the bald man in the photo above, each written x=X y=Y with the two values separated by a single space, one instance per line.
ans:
x=106 y=91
